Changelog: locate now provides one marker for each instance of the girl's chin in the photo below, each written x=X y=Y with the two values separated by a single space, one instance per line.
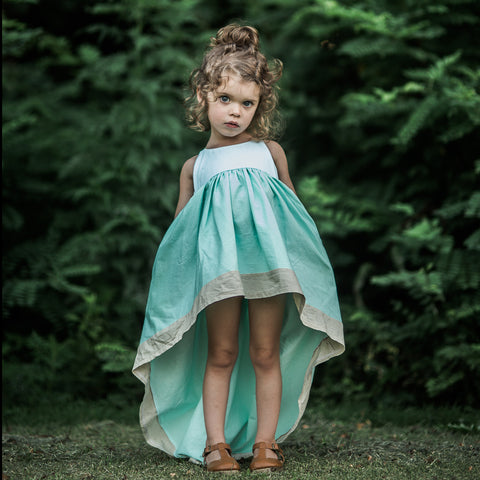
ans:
x=232 y=130
x=230 y=133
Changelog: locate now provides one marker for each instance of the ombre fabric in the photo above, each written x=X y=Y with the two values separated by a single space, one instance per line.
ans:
x=243 y=233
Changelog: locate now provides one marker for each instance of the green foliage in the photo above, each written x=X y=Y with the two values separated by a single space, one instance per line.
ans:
x=93 y=141
x=394 y=189
x=382 y=108
x=115 y=357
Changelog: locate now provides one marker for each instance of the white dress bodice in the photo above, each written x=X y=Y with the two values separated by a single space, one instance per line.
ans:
x=211 y=161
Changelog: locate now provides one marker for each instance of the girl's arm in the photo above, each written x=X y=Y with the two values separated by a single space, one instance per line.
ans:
x=281 y=163
x=186 y=184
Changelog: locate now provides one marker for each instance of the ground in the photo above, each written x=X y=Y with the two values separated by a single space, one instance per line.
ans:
x=342 y=442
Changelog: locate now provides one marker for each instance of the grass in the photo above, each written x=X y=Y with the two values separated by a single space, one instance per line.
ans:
x=96 y=442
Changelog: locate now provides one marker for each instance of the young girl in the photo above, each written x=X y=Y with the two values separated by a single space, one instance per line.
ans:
x=242 y=304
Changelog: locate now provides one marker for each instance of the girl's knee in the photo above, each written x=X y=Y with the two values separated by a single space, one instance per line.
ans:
x=222 y=357
x=264 y=358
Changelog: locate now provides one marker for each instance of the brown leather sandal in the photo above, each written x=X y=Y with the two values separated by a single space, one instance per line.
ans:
x=261 y=463
x=226 y=464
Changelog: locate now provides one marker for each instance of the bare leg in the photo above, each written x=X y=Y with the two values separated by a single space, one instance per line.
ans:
x=266 y=318
x=223 y=320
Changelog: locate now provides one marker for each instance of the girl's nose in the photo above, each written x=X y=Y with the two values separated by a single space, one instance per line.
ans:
x=235 y=110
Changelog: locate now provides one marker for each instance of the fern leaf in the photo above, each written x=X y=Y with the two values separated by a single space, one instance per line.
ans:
x=416 y=121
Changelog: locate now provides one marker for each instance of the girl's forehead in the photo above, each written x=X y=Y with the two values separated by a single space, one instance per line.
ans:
x=233 y=83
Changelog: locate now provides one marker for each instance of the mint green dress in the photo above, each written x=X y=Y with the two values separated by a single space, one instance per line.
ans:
x=243 y=233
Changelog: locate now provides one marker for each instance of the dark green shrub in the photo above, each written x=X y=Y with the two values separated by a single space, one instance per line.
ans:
x=382 y=109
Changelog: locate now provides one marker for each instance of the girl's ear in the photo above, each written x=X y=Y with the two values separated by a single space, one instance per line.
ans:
x=199 y=95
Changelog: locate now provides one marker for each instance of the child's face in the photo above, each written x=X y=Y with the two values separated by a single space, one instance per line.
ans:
x=232 y=106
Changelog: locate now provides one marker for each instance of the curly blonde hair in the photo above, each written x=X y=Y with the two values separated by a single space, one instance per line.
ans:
x=235 y=49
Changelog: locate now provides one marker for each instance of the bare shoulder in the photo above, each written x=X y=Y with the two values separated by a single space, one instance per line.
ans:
x=187 y=169
x=280 y=159
x=186 y=184
x=276 y=150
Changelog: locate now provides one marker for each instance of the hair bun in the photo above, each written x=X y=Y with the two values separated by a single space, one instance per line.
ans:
x=235 y=37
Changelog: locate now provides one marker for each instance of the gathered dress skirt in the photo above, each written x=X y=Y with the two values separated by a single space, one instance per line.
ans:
x=244 y=233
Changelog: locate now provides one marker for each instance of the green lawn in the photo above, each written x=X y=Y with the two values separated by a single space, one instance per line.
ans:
x=92 y=441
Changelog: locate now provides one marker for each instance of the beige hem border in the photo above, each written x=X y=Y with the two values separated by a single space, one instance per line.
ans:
x=232 y=284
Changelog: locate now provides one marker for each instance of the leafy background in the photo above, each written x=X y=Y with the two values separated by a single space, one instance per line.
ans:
x=382 y=110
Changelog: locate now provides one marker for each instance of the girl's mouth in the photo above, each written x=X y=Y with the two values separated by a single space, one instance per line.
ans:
x=232 y=125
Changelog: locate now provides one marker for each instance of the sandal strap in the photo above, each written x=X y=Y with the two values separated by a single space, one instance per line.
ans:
x=270 y=446
x=218 y=446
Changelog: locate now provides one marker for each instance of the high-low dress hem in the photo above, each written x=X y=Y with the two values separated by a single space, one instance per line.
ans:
x=243 y=234
x=249 y=286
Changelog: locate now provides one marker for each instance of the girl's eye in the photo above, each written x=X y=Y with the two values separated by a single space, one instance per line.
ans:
x=248 y=103
x=224 y=99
